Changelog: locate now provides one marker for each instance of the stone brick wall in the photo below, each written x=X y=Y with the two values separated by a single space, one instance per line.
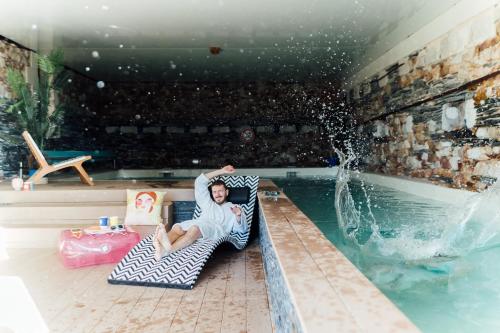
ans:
x=260 y=103
x=80 y=130
x=154 y=125
x=436 y=113
x=14 y=57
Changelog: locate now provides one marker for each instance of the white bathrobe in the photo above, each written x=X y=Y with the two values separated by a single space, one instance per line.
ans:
x=215 y=220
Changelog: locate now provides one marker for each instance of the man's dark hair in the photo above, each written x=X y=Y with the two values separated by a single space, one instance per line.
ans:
x=218 y=182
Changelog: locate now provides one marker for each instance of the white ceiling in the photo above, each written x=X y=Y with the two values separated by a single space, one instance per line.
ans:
x=169 y=40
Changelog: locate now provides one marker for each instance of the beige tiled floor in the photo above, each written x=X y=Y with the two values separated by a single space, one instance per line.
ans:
x=230 y=296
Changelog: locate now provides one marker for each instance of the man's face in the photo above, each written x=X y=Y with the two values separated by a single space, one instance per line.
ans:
x=219 y=193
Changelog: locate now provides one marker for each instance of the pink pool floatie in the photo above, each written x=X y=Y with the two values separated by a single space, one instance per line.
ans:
x=78 y=249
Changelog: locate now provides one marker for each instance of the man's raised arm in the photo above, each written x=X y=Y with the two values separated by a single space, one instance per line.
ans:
x=221 y=171
x=201 y=194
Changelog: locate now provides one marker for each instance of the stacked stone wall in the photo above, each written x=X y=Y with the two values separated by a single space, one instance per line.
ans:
x=154 y=125
x=80 y=130
x=11 y=56
x=436 y=113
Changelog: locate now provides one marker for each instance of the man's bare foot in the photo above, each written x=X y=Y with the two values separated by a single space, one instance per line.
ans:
x=163 y=238
x=160 y=250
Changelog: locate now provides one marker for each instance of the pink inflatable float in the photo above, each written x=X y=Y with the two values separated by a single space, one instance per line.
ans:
x=78 y=248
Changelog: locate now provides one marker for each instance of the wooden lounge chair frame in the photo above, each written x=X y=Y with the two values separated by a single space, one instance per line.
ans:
x=46 y=168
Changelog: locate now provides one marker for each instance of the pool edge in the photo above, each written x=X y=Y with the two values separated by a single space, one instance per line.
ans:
x=312 y=286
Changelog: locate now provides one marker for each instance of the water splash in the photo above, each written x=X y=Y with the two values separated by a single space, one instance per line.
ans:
x=350 y=218
x=474 y=226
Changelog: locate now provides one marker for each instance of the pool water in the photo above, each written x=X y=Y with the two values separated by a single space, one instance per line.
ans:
x=442 y=283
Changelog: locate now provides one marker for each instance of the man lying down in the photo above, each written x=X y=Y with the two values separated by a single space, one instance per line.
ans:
x=218 y=217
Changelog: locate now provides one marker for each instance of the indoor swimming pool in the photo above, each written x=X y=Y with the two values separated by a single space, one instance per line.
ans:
x=437 y=262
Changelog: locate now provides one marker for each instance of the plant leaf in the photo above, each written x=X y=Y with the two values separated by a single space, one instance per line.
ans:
x=45 y=64
x=13 y=107
x=15 y=80
x=60 y=79
x=31 y=105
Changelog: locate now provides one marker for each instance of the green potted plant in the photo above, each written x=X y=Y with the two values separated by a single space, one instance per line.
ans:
x=33 y=107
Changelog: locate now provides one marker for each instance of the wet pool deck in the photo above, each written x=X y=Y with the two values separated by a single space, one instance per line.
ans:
x=230 y=296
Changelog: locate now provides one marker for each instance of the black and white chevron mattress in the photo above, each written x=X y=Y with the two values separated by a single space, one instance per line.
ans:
x=181 y=268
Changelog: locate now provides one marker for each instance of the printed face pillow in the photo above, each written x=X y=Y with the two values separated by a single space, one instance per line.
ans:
x=144 y=207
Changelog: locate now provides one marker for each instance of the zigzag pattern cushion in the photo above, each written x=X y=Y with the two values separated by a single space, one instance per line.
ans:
x=181 y=268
